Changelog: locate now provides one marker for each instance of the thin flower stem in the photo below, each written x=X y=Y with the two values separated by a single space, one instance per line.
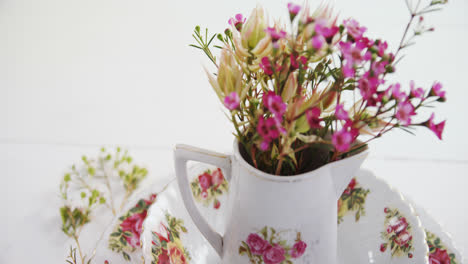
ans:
x=79 y=248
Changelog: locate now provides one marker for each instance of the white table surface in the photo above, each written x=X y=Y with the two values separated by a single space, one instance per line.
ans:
x=77 y=75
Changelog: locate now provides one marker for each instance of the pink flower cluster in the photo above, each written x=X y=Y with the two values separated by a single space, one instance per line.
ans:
x=270 y=128
x=398 y=227
x=273 y=254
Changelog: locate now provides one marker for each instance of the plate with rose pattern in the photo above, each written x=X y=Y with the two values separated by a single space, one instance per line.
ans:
x=375 y=224
x=441 y=248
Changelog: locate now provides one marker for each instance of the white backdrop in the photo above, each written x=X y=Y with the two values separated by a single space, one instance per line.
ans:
x=75 y=75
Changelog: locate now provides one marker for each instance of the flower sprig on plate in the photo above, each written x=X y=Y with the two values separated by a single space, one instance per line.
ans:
x=88 y=187
x=300 y=98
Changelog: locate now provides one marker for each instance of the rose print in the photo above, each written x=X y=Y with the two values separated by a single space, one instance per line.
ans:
x=397 y=235
x=167 y=245
x=205 y=181
x=208 y=186
x=438 y=253
x=298 y=249
x=352 y=200
x=126 y=235
x=268 y=247
x=439 y=257
x=273 y=254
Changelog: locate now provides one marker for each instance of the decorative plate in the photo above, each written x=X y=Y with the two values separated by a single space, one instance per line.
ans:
x=441 y=248
x=375 y=224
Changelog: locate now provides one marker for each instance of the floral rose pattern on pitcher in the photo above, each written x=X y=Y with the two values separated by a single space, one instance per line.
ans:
x=126 y=235
x=398 y=237
x=268 y=247
x=167 y=245
x=208 y=186
x=438 y=253
x=353 y=199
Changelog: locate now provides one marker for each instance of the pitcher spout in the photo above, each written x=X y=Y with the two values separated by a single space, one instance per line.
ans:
x=344 y=170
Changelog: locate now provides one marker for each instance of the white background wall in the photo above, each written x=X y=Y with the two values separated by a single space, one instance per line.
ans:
x=107 y=72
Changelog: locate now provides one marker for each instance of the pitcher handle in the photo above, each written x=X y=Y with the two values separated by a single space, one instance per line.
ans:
x=184 y=153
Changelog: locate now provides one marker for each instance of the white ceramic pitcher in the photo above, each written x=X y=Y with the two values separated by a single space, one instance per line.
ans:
x=270 y=218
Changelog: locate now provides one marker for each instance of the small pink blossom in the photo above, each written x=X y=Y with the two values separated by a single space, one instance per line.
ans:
x=275 y=35
x=342 y=140
x=293 y=9
x=296 y=62
x=381 y=47
x=317 y=42
x=436 y=90
x=257 y=244
x=438 y=129
x=348 y=70
x=265 y=64
x=368 y=86
x=353 y=28
x=313 y=117
x=416 y=92
x=232 y=101
x=237 y=21
x=269 y=130
x=379 y=67
x=274 y=254
x=327 y=32
x=397 y=93
x=354 y=53
x=404 y=112
x=341 y=113
x=298 y=249
x=274 y=103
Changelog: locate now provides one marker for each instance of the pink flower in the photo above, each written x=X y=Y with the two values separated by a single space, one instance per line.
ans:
x=348 y=70
x=298 y=249
x=404 y=112
x=439 y=256
x=351 y=186
x=368 y=86
x=151 y=199
x=418 y=92
x=397 y=94
x=296 y=62
x=327 y=32
x=275 y=35
x=381 y=47
x=438 y=129
x=378 y=67
x=274 y=103
x=133 y=224
x=353 y=28
x=317 y=42
x=237 y=21
x=340 y=113
x=268 y=130
x=313 y=117
x=232 y=101
x=205 y=181
x=342 y=140
x=274 y=255
x=265 y=64
x=217 y=177
x=257 y=244
x=400 y=226
x=436 y=90
x=354 y=54
x=293 y=9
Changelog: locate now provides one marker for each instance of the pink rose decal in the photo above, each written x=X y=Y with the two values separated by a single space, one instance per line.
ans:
x=217 y=177
x=398 y=235
x=273 y=255
x=268 y=247
x=298 y=249
x=257 y=244
x=205 y=181
x=133 y=224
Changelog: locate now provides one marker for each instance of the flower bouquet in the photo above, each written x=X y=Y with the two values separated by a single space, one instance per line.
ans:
x=301 y=95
